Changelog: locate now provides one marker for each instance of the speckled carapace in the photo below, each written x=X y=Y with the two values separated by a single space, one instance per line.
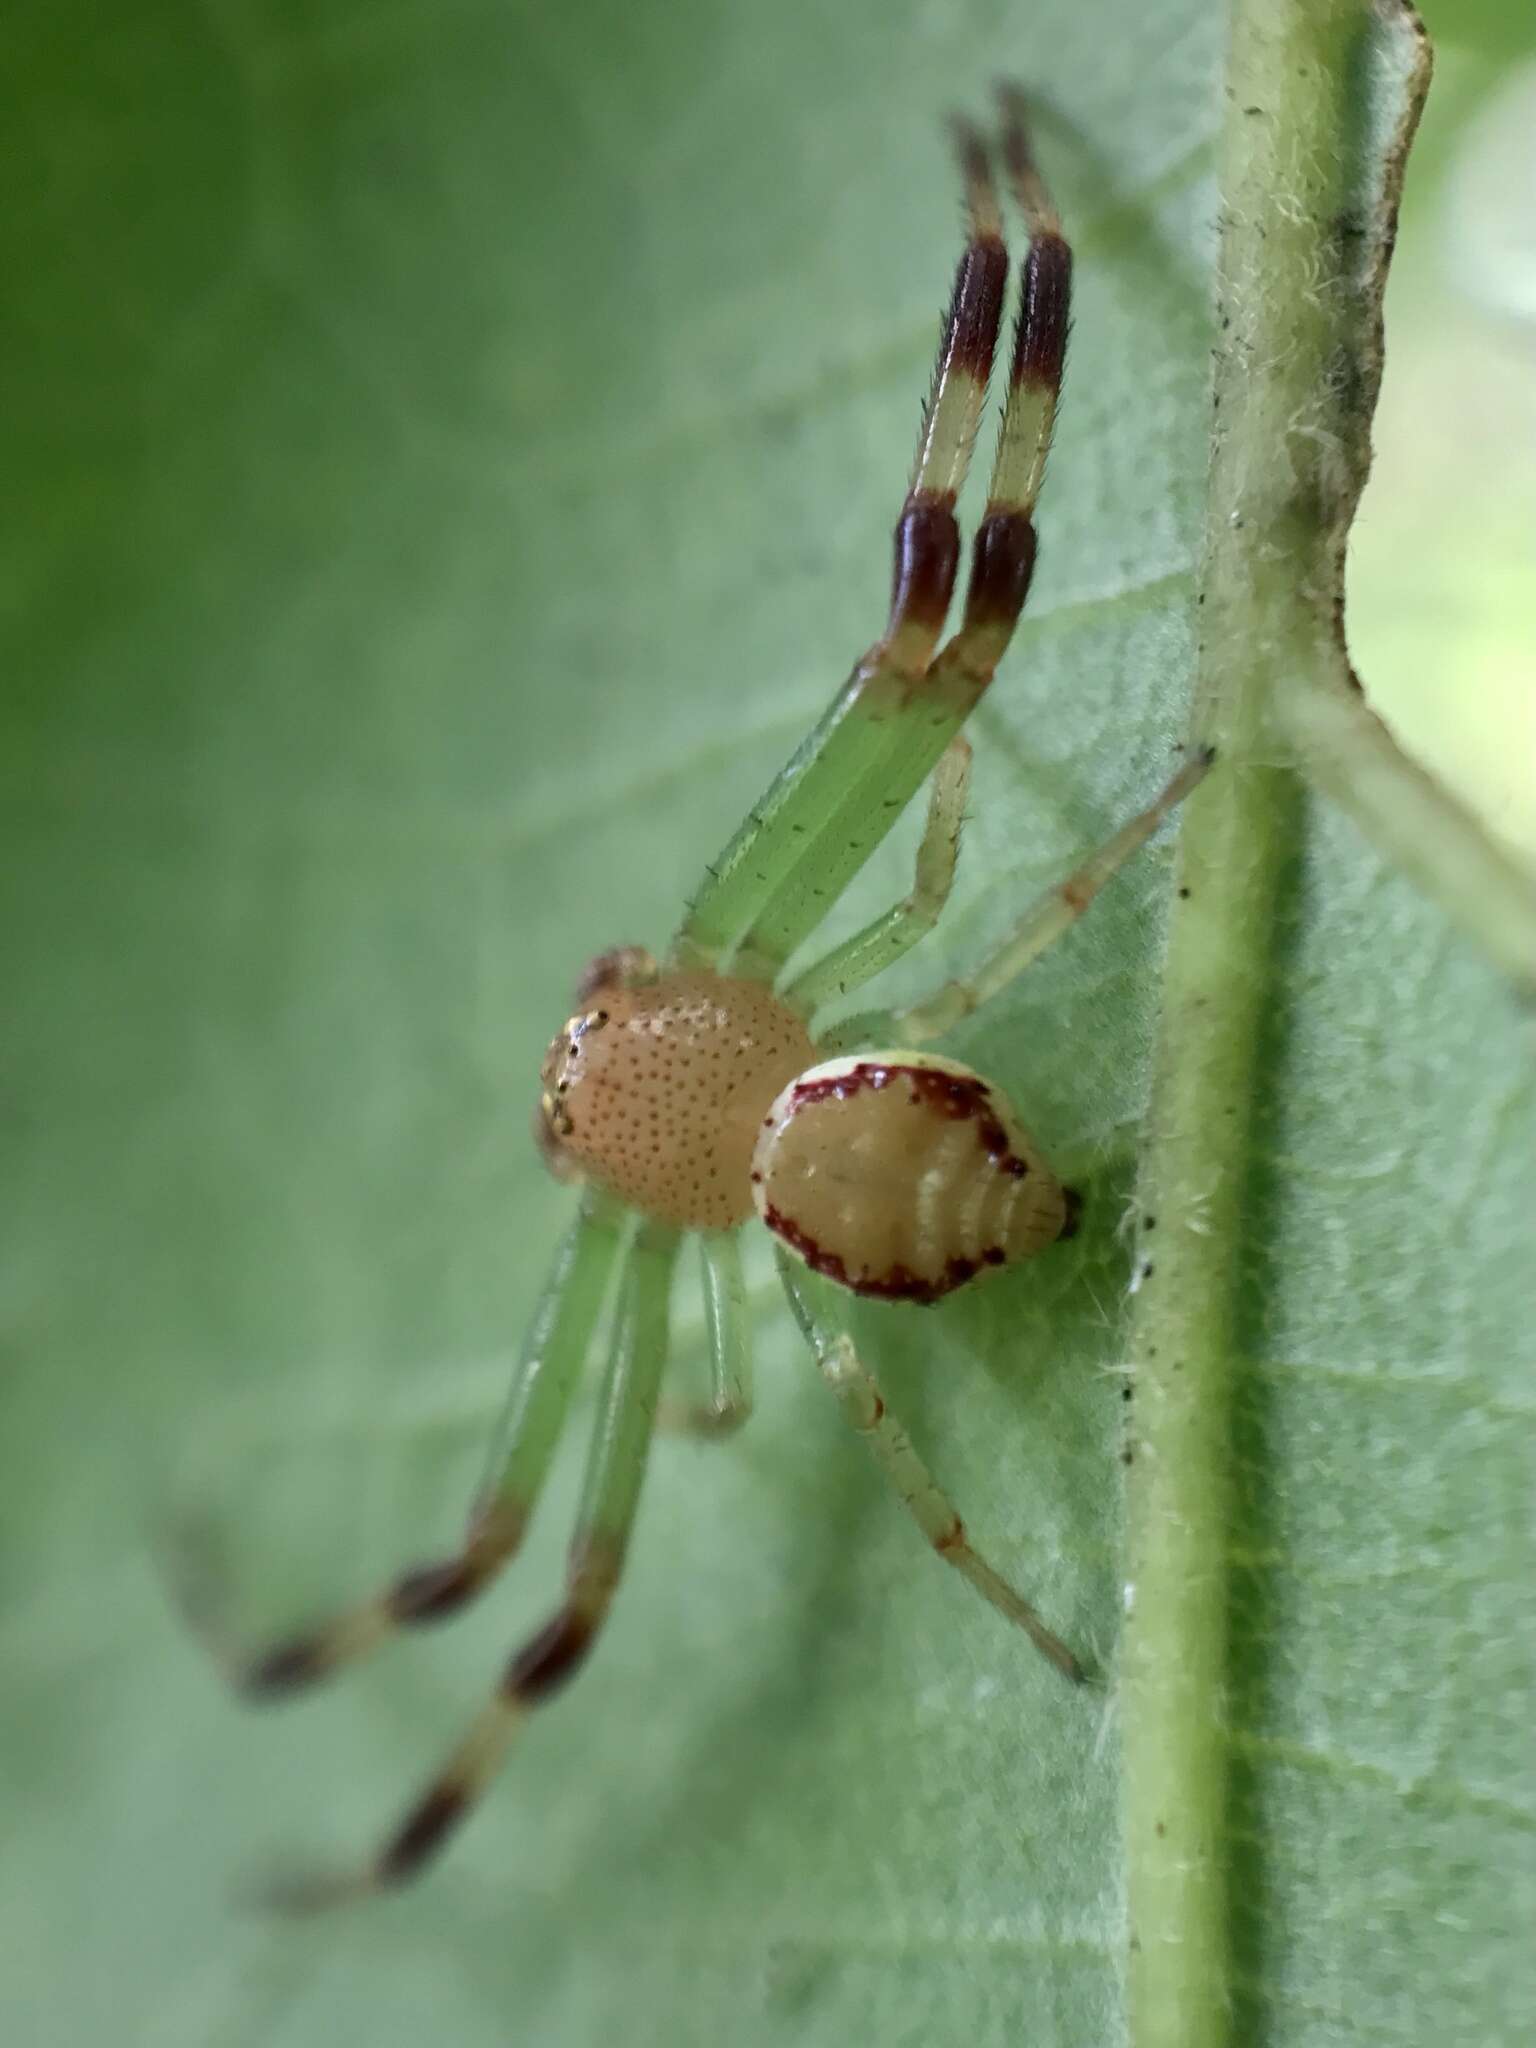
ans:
x=658 y=1089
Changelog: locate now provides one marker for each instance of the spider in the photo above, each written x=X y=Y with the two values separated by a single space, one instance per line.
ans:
x=684 y=1096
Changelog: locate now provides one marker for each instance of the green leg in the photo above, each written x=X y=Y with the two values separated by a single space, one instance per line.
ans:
x=934 y=707
x=887 y=692
x=1042 y=924
x=557 y=1343
x=553 y=1655
x=728 y=1403
x=551 y=1360
x=883 y=941
x=931 y=1509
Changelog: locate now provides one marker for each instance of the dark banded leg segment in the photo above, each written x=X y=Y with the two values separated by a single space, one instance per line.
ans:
x=553 y=1353
x=553 y=1655
x=932 y=1510
x=1003 y=558
x=855 y=732
x=937 y=705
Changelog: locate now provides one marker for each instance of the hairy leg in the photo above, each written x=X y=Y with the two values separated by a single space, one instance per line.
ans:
x=886 y=688
x=1039 y=928
x=935 y=706
x=931 y=1509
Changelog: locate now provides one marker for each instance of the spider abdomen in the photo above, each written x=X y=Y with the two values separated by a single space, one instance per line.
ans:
x=657 y=1091
x=902 y=1175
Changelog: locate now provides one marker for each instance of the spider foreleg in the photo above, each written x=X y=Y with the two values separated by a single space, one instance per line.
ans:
x=1002 y=566
x=1003 y=558
x=766 y=860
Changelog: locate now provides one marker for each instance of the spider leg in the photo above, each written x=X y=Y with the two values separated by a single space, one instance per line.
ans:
x=886 y=688
x=729 y=1401
x=934 y=707
x=884 y=939
x=553 y=1654
x=932 y=1510
x=1041 y=925
x=551 y=1360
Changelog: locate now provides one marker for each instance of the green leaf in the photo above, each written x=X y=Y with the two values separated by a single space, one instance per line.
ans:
x=458 y=448
x=1256 y=1292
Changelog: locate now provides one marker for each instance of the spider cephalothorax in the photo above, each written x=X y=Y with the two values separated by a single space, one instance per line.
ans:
x=658 y=1088
x=689 y=1095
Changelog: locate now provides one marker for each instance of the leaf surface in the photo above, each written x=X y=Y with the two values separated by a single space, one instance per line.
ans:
x=459 y=447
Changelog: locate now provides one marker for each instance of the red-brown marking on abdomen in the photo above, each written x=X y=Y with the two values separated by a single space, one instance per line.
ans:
x=955 y=1096
x=897 y=1283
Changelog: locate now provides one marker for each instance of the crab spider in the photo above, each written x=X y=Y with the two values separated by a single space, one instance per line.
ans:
x=688 y=1095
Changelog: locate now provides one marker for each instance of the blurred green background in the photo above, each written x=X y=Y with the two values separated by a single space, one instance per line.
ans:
x=1443 y=563
x=452 y=453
